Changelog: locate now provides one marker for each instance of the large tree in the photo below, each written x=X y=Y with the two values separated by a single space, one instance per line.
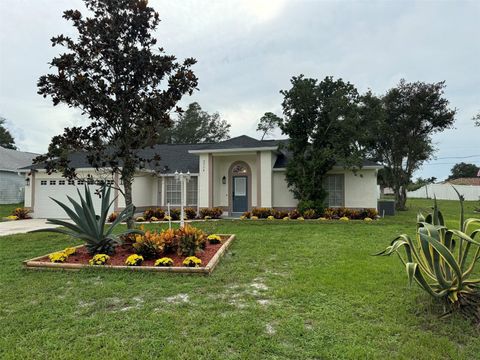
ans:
x=322 y=122
x=463 y=170
x=401 y=124
x=195 y=126
x=6 y=139
x=267 y=123
x=126 y=85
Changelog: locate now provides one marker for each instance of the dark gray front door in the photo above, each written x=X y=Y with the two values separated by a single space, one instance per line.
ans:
x=240 y=191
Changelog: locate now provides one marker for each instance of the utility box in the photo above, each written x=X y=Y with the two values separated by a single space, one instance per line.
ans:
x=386 y=207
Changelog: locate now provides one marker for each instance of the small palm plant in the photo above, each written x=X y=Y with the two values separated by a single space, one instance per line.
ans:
x=89 y=226
x=442 y=260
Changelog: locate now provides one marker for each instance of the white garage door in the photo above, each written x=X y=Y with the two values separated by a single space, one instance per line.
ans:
x=59 y=189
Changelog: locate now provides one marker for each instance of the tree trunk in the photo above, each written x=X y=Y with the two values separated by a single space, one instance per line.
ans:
x=400 y=197
x=127 y=184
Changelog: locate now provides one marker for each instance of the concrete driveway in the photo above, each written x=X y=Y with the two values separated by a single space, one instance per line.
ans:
x=23 y=226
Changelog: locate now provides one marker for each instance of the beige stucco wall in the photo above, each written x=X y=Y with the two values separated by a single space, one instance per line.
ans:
x=221 y=165
x=203 y=190
x=361 y=190
x=266 y=166
x=282 y=196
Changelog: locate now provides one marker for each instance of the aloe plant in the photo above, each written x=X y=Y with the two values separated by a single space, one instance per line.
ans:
x=89 y=226
x=442 y=260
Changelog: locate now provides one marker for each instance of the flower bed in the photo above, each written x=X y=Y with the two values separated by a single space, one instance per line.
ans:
x=209 y=257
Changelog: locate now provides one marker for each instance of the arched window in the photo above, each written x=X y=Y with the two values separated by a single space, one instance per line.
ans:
x=239 y=170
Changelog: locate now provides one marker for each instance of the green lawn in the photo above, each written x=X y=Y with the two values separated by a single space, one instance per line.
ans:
x=6 y=209
x=285 y=290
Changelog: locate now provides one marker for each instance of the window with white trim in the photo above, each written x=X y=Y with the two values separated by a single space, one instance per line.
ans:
x=335 y=187
x=173 y=191
x=192 y=191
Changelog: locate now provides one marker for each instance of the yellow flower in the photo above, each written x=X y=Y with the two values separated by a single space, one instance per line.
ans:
x=12 y=217
x=286 y=218
x=254 y=218
x=243 y=217
x=300 y=218
x=58 y=257
x=192 y=261
x=367 y=219
x=99 y=259
x=168 y=218
x=214 y=239
x=344 y=218
x=165 y=261
x=134 y=260
x=270 y=218
x=70 y=251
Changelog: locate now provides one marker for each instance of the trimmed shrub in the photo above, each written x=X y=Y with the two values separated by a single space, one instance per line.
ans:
x=175 y=214
x=262 y=213
x=159 y=213
x=294 y=214
x=213 y=213
x=190 y=213
x=247 y=215
x=310 y=214
x=280 y=214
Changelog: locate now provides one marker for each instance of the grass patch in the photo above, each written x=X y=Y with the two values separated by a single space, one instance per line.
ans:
x=284 y=290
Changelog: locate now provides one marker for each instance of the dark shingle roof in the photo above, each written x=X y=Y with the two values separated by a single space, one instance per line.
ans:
x=176 y=157
x=240 y=142
x=13 y=160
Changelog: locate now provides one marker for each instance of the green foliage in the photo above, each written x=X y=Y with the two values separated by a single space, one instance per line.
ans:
x=195 y=126
x=262 y=213
x=322 y=122
x=175 y=214
x=412 y=112
x=116 y=73
x=267 y=123
x=310 y=214
x=190 y=240
x=212 y=213
x=6 y=139
x=463 y=170
x=190 y=213
x=149 y=245
x=90 y=227
x=305 y=205
x=441 y=260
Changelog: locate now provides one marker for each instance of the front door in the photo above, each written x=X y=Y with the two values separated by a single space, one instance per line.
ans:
x=240 y=199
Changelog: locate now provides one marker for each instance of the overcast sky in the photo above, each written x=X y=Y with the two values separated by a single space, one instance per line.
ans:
x=247 y=50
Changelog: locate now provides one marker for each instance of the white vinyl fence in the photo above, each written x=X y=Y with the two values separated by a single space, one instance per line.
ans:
x=446 y=192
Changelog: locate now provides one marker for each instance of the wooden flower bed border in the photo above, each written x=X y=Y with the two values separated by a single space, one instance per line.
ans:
x=35 y=263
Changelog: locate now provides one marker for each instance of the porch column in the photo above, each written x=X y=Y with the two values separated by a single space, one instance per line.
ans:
x=259 y=179
x=210 y=180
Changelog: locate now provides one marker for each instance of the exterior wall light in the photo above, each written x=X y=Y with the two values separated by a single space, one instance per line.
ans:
x=224 y=180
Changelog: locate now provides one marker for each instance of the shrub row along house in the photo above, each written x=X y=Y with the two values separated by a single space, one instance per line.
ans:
x=235 y=175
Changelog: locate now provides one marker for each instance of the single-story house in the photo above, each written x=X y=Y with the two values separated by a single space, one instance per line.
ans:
x=236 y=175
x=12 y=179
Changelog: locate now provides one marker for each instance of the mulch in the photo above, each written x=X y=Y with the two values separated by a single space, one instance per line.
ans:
x=124 y=251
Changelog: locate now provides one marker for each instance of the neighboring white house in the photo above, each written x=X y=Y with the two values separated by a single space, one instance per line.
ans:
x=12 y=180
x=236 y=175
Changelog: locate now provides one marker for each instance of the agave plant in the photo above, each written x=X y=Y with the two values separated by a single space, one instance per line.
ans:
x=442 y=260
x=89 y=226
